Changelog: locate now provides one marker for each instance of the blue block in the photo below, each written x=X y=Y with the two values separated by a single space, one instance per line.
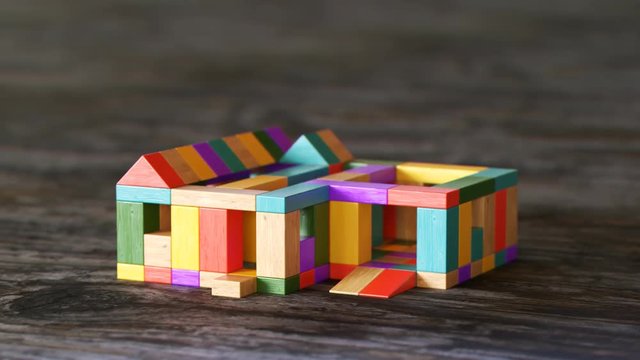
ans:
x=141 y=194
x=504 y=178
x=301 y=173
x=437 y=240
x=303 y=151
x=292 y=198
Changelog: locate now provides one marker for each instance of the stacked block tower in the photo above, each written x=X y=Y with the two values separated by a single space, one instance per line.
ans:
x=256 y=212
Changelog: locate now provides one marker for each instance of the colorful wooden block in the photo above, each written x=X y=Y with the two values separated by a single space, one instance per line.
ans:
x=357 y=280
x=350 y=233
x=142 y=194
x=185 y=277
x=335 y=145
x=321 y=233
x=213 y=160
x=477 y=246
x=249 y=236
x=255 y=148
x=389 y=283
x=200 y=167
x=131 y=272
x=241 y=152
x=346 y=176
x=358 y=192
x=470 y=187
x=488 y=263
x=300 y=173
x=185 y=238
x=158 y=275
x=277 y=286
x=227 y=155
x=476 y=268
x=340 y=271
x=437 y=240
x=406 y=223
x=260 y=182
x=269 y=144
x=214 y=197
x=435 y=280
x=428 y=173
x=307 y=278
x=511 y=214
x=464 y=273
x=377 y=223
x=292 y=198
x=152 y=170
x=279 y=137
x=233 y=286
x=207 y=277
x=500 y=220
x=221 y=240
x=503 y=178
x=385 y=174
x=420 y=196
x=278 y=244
x=464 y=233
x=181 y=167
x=322 y=273
x=157 y=249
x=133 y=221
x=307 y=254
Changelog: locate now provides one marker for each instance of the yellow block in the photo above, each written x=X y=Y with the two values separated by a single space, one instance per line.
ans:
x=464 y=233
x=428 y=173
x=357 y=280
x=199 y=166
x=260 y=182
x=488 y=263
x=244 y=272
x=130 y=272
x=349 y=233
x=249 y=236
x=185 y=238
x=256 y=148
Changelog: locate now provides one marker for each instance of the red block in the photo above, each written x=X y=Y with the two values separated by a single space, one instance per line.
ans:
x=389 y=223
x=421 y=196
x=390 y=283
x=151 y=170
x=158 y=275
x=501 y=220
x=307 y=278
x=340 y=271
x=335 y=168
x=220 y=240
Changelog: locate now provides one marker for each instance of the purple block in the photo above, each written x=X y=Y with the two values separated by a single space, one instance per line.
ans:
x=322 y=273
x=274 y=167
x=512 y=253
x=378 y=264
x=230 y=177
x=402 y=255
x=464 y=273
x=377 y=173
x=358 y=192
x=212 y=159
x=307 y=253
x=185 y=277
x=279 y=137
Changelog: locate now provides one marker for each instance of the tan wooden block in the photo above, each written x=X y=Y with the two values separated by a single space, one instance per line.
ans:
x=260 y=182
x=476 y=268
x=346 y=176
x=357 y=280
x=433 y=280
x=207 y=277
x=406 y=223
x=278 y=244
x=234 y=286
x=483 y=216
x=215 y=197
x=157 y=249
x=512 y=216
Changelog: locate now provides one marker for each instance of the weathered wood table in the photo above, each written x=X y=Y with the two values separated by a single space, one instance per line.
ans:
x=550 y=88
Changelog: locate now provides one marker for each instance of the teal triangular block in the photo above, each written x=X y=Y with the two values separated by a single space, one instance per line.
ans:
x=303 y=152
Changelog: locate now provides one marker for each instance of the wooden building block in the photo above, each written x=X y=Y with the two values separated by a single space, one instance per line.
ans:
x=421 y=196
x=181 y=167
x=389 y=226
x=405 y=223
x=227 y=155
x=350 y=233
x=383 y=174
x=470 y=187
x=221 y=240
x=152 y=170
x=477 y=247
x=377 y=222
x=336 y=168
x=245 y=272
x=512 y=216
x=158 y=275
x=433 y=280
x=255 y=148
x=207 y=277
x=488 y=263
x=233 y=286
x=500 y=220
x=307 y=278
x=200 y=167
x=241 y=152
x=500 y=257
x=307 y=254
x=213 y=160
x=269 y=144
x=185 y=277
x=503 y=178
x=301 y=173
x=488 y=226
x=307 y=224
x=322 y=147
x=346 y=176
x=464 y=233
x=464 y=273
x=249 y=236
x=337 y=147
x=437 y=240
x=142 y=194
x=278 y=286
x=165 y=217
x=340 y=271
x=157 y=249
x=429 y=173
x=279 y=137
x=321 y=233
x=476 y=268
x=357 y=280
x=322 y=273
x=132 y=272
x=292 y=198
x=278 y=244
x=359 y=192
x=260 y=182
x=185 y=238
x=389 y=284
x=133 y=221
x=214 y=197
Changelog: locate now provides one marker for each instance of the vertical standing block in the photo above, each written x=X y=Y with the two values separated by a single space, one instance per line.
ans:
x=249 y=236
x=464 y=233
x=321 y=232
x=512 y=216
x=350 y=233
x=185 y=238
x=406 y=224
x=134 y=220
x=307 y=254
x=500 y=220
x=437 y=240
x=483 y=215
x=220 y=240
x=377 y=223
x=131 y=272
x=278 y=244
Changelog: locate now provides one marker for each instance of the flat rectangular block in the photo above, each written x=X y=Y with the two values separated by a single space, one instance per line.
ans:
x=181 y=167
x=358 y=192
x=227 y=155
x=503 y=178
x=470 y=187
x=221 y=240
x=213 y=197
x=185 y=238
x=389 y=283
x=195 y=162
x=260 y=182
x=384 y=174
x=241 y=152
x=276 y=286
x=213 y=160
x=346 y=176
x=336 y=146
x=207 y=277
x=278 y=244
x=141 y=194
x=301 y=173
x=420 y=196
x=279 y=137
x=158 y=275
x=430 y=173
x=185 y=277
x=357 y=280
x=157 y=249
x=437 y=240
x=292 y=198
x=233 y=286
x=131 y=272
x=432 y=280
x=255 y=148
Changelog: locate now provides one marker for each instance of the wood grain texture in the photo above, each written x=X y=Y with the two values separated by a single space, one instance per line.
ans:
x=547 y=87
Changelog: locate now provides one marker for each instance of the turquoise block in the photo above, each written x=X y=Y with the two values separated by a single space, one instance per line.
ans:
x=437 y=235
x=292 y=198
x=303 y=152
x=376 y=224
x=476 y=243
x=501 y=258
x=143 y=194
x=504 y=178
x=301 y=173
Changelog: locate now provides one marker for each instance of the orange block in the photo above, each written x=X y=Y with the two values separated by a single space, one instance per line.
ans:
x=307 y=278
x=193 y=159
x=158 y=275
x=390 y=283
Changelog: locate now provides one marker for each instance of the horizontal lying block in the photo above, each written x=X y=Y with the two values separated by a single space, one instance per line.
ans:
x=130 y=272
x=421 y=196
x=213 y=197
x=185 y=277
x=470 y=187
x=260 y=182
x=207 y=277
x=356 y=280
x=158 y=275
x=385 y=174
x=503 y=178
x=429 y=173
x=141 y=194
x=300 y=173
x=157 y=249
x=346 y=176
x=432 y=280
x=292 y=198
x=275 y=286
x=233 y=286
x=359 y=192
x=245 y=272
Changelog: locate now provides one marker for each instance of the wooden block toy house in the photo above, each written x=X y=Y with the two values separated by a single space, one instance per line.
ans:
x=256 y=212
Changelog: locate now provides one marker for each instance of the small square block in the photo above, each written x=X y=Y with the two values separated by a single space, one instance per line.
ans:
x=322 y=273
x=185 y=277
x=275 y=286
x=233 y=286
x=307 y=278
x=433 y=280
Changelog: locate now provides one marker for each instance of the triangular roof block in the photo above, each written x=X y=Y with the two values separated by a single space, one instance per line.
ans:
x=319 y=148
x=151 y=170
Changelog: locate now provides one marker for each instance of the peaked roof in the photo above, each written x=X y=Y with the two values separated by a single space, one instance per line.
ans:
x=319 y=148
x=204 y=161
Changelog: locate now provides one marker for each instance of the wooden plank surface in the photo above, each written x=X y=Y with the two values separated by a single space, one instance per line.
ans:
x=548 y=87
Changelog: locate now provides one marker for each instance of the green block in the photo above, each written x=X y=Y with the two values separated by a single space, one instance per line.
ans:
x=321 y=227
x=269 y=144
x=322 y=147
x=275 y=286
x=306 y=222
x=503 y=178
x=227 y=155
x=476 y=243
x=133 y=221
x=501 y=258
x=377 y=254
x=471 y=187
x=377 y=219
